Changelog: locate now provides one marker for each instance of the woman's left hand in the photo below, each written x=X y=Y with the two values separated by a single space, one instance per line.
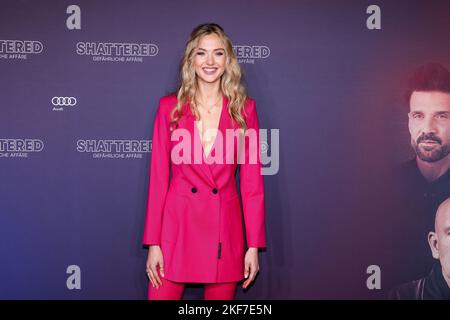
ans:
x=251 y=266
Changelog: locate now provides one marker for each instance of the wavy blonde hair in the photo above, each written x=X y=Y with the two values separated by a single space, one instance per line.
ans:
x=230 y=82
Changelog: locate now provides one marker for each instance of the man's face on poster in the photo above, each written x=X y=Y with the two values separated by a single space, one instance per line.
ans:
x=444 y=244
x=429 y=124
x=439 y=240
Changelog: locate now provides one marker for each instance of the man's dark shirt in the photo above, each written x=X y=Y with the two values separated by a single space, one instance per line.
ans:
x=431 y=287
x=429 y=195
x=411 y=205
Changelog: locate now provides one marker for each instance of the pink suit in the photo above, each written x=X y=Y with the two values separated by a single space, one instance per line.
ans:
x=197 y=218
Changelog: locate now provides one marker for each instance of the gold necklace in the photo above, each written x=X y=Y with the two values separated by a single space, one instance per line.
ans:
x=212 y=107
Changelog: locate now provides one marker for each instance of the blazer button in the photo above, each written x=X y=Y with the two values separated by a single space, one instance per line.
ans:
x=214 y=191
x=194 y=189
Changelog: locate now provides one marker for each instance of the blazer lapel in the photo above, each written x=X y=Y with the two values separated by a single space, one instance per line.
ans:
x=224 y=124
x=208 y=169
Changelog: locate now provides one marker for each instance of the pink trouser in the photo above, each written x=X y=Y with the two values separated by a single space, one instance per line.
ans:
x=170 y=290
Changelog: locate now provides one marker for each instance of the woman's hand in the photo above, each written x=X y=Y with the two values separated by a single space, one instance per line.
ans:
x=251 y=266
x=154 y=259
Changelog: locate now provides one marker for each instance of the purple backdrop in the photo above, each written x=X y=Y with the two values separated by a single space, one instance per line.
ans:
x=317 y=74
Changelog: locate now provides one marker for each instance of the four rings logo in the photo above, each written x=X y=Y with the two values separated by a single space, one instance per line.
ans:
x=60 y=102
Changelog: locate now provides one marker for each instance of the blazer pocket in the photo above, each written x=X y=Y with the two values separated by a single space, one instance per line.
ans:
x=171 y=221
x=230 y=196
x=233 y=203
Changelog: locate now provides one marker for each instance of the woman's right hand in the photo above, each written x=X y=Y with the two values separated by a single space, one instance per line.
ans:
x=155 y=259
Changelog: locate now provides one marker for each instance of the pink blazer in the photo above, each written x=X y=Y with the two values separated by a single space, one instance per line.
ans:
x=197 y=217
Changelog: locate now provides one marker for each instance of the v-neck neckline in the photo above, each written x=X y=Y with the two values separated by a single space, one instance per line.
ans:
x=217 y=132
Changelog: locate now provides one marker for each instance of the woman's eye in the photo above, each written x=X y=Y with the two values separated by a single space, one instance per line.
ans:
x=220 y=53
x=200 y=53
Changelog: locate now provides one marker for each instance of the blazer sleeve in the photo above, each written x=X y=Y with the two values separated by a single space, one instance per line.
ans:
x=159 y=176
x=252 y=183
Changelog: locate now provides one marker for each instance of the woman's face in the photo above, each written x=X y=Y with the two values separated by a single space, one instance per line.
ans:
x=209 y=59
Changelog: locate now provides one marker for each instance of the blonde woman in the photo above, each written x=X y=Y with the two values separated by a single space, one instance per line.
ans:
x=194 y=226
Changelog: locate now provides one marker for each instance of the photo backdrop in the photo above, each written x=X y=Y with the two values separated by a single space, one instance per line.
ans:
x=79 y=87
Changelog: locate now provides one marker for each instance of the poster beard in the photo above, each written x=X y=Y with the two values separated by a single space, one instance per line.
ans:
x=432 y=151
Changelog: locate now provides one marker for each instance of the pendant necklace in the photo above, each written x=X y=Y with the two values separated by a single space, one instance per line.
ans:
x=211 y=107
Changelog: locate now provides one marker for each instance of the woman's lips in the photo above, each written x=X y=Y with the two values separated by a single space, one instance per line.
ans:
x=209 y=71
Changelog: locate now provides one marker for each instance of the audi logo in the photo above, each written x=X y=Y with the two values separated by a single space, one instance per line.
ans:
x=64 y=101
